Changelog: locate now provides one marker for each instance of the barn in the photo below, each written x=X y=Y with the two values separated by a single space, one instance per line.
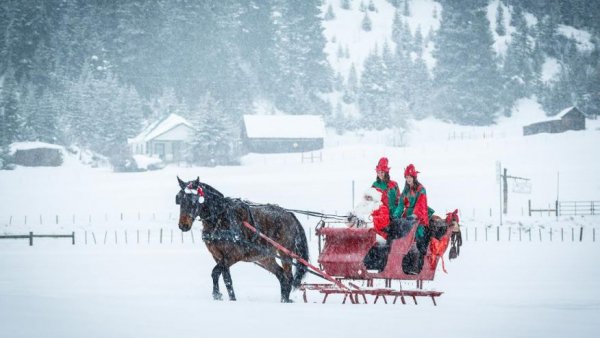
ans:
x=569 y=119
x=164 y=138
x=282 y=133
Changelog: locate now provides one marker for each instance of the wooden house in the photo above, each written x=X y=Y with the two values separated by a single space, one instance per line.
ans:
x=568 y=119
x=165 y=139
x=282 y=133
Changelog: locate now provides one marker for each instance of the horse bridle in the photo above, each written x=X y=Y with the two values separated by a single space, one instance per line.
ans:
x=197 y=202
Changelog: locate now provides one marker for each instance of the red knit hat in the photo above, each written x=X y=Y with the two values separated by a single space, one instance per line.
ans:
x=410 y=171
x=383 y=165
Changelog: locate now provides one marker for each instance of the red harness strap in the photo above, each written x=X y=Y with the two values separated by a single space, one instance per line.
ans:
x=438 y=247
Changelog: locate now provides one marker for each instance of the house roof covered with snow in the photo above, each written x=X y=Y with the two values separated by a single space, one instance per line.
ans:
x=160 y=127
x=284 y=126
x=31 y=145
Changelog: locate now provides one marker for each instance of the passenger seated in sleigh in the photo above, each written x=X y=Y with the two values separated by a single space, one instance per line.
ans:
x=394 y=214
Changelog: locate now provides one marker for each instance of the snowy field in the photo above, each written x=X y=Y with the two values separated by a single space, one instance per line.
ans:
x=495 y=288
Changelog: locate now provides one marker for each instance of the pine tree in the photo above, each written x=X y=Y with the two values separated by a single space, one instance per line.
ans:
x=406 y=10
x=330 y=15
x=366 y=23
x=418 y=42
x=345 y=4
x=362 y=7
x=303 y=71
x=212 y=140
x=11 y=122
x=518 y=66
x=372 y=6
x=372 y=97
x=351 y=86
x=466 y=79
x=500 y=28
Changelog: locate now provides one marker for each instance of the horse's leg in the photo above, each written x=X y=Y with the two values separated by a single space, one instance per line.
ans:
x=270 y=264
x=216 y=273
x=228 y=283
x=286 y=284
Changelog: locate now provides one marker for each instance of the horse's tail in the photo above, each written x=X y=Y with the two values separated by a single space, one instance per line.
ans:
x=300 y=249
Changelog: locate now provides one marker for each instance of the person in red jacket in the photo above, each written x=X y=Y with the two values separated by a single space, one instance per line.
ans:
x=413 y=203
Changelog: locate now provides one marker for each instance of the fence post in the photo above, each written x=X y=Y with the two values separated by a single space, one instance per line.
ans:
x=540 y=230
x=529 y=207
x=486 y=232
x=572 y=234
x=85 y=236
x=498 y=234
x=94 y=237
x=551 y=234
x=562 y=236
x=519 y=234
x=593 y=234
x=31 y=238
x=56 y=219
x=475 y=234
x=161 y=233
x=73 y=237
x=509 y=233
x=138 y=236
x=581 y=234
x=556 y=207
x=467 y=233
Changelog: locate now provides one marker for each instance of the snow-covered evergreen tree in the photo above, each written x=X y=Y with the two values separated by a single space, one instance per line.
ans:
x=366 y=23
x=373 y=93
x=466 y=79
x=213 y=141
x=500 y=28
x=11 y=121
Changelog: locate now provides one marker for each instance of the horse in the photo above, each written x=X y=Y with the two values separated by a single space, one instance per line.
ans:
x=229 y=241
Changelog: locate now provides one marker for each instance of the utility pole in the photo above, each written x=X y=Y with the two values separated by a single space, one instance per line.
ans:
x=505 y=178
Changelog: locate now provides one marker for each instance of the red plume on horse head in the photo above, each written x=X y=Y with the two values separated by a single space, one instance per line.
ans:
x=452 y=216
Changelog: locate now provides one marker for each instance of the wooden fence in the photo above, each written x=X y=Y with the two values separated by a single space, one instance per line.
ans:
x=31 y=236
x=568 y=208
x=573 y=208
x=520 y=234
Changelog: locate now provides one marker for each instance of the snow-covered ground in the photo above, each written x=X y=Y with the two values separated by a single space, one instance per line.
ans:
x=495 y=288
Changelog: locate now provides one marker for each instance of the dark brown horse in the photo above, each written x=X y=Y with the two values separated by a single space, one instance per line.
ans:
x=230 y=242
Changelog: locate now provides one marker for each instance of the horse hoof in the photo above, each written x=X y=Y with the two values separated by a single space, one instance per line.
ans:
x=217 y=296
x=287 y=301
x=232 y=299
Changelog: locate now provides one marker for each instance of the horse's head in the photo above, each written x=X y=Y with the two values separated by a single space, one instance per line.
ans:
x=189 y=198
x=452 y=218
x=197 y=199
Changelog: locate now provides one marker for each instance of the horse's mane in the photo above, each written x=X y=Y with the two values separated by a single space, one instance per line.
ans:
x=210 y=190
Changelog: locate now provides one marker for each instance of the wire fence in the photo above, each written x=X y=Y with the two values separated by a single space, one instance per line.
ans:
x=172 y=235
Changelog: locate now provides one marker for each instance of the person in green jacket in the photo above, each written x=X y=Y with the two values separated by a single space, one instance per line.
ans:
x=413 y=203
x=389 y=189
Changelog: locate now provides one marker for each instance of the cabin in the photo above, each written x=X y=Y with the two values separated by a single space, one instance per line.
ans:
x=282 y=133
x=164 y=139
x=568 y=119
